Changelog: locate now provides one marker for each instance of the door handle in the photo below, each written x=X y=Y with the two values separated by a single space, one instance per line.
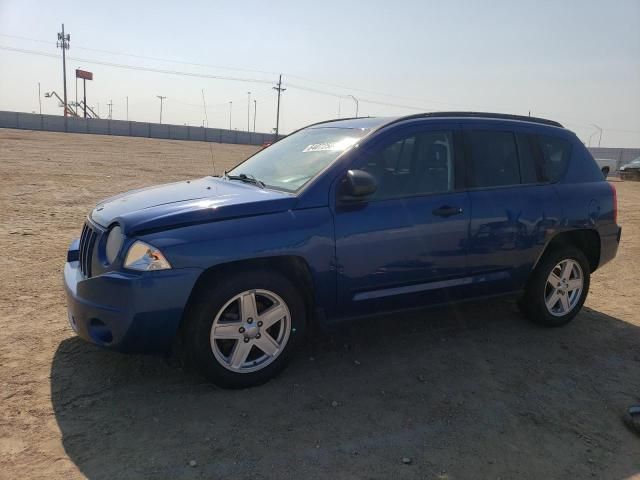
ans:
x=447 y=211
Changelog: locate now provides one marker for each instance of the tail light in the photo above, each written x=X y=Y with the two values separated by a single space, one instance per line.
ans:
x=615 y=203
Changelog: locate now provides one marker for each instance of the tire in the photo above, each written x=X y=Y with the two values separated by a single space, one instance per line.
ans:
x=217 y=352
x=605 y=171
x=540 y=289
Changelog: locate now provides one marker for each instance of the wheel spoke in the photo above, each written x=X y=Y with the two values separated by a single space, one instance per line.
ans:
x=554 y=280
x=267 y=344
x=552 y=300
x=567 y=269
x=227 y=330
x=273 y=315
x=239 y=354
x=564 y=301
x=248 y=306
x=574 y=284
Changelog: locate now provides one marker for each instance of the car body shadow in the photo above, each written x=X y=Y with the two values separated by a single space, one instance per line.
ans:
x=472 y=391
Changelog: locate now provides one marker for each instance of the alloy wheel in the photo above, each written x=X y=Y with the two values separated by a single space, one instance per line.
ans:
x=564 y=287
x=250 y=331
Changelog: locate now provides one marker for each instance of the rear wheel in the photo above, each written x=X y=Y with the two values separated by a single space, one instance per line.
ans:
x=557 y=288
x=242 y=330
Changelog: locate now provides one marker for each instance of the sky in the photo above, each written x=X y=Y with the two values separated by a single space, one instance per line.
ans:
x=574 y=61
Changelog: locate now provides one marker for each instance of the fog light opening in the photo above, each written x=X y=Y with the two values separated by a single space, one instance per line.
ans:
x=100 y=332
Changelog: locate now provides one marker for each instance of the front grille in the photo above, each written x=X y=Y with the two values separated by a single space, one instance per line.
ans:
x=87 y=242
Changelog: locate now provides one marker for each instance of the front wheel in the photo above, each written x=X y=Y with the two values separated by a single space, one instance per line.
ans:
x=557 y=288
x=243 y=328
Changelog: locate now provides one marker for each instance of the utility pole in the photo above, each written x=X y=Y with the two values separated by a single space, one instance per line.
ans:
x=230 y=108
x=255 y=109
x=248 y=110
x=110 y=108
x=355 y=100
x=161 y=100
x=339 y=104
x=280 y=90
x=39 y=98
x=63 y=43
x=127 y=99
x=599 y=130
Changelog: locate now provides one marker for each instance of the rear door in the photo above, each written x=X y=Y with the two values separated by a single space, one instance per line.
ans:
x=407 y=243
x=513 y=211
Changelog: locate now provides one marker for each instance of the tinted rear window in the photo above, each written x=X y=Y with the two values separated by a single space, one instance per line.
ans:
x=555 y=154
x=492 y=159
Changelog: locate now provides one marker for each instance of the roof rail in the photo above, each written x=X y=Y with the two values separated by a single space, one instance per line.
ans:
x=503 y=116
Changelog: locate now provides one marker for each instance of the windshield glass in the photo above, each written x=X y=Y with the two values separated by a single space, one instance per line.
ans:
x=296 y=159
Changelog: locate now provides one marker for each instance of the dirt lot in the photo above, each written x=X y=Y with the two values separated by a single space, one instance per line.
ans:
x=472 y=392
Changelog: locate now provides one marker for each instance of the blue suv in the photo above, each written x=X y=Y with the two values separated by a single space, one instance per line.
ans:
x=342 y=219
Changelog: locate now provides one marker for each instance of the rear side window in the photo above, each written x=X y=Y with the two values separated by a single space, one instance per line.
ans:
x=492 y=159
x=555 y=153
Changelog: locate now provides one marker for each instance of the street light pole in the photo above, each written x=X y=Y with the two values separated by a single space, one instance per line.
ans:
x=255 y=109
x=248 y=110
x=39 y=98
x=127 y=99
x=355 y=100
x=161 y=100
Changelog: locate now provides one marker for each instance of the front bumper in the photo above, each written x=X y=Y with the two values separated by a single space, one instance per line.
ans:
x=133 y=312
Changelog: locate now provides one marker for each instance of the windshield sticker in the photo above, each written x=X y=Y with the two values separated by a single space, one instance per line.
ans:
x=330 y=146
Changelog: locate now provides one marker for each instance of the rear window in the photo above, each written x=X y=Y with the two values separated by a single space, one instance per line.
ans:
x=493 y=159
x=555 y=154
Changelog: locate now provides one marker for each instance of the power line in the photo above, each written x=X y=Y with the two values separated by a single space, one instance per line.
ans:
x=242 y=79
x=344 y=87
x=356 y=89
x=141 y=68
x=146 y=57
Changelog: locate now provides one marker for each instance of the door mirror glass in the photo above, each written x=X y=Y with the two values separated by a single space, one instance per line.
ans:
x=357 y=185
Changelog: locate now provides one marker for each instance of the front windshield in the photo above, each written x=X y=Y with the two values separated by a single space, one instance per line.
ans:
x=296 y=159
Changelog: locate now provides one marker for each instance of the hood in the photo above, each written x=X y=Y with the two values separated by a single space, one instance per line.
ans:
x=188 y=202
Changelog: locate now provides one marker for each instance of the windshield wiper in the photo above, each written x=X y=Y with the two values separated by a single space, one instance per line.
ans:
x=244 y=177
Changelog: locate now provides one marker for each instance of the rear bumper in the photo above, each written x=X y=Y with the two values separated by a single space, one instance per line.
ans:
x=609 y=242
x=132 y=312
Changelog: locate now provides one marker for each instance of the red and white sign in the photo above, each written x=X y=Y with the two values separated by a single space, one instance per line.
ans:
x=84 y=74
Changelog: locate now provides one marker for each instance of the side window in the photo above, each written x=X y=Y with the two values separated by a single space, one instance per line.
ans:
x=528 y=165
x=420 y=164
x=492 y=160
x=555 y=153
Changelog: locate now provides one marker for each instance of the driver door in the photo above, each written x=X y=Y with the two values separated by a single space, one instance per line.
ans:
x=406 y=244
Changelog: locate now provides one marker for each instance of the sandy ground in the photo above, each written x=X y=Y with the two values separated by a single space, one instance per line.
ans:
x=470 y=392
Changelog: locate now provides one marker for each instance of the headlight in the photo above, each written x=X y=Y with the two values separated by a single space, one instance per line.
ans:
x=115 y=239
x=142 y=256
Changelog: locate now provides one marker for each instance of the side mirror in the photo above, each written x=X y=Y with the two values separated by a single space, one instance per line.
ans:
x=356 y=185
